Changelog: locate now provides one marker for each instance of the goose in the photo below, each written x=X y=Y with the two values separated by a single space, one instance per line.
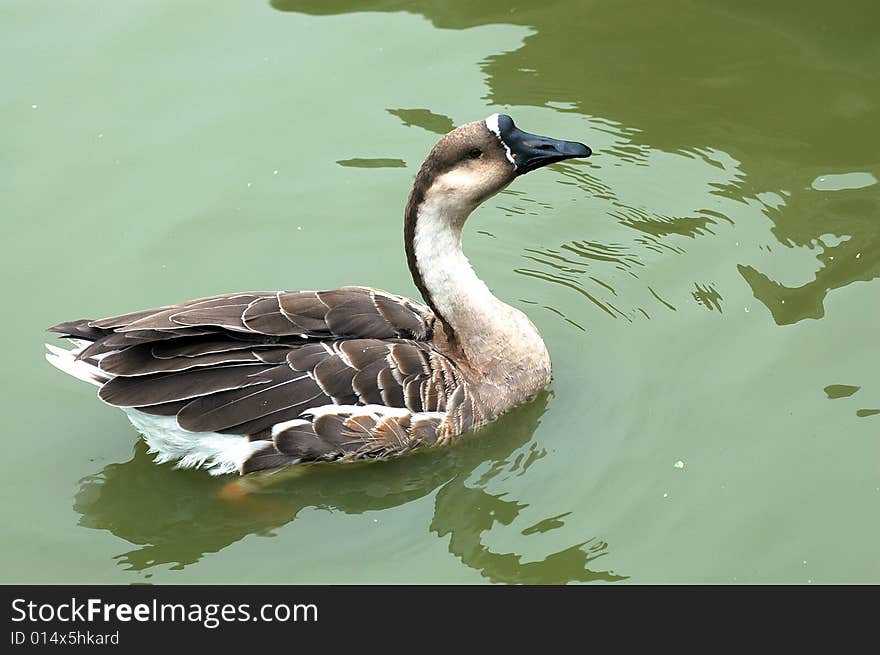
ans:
x=243 y=382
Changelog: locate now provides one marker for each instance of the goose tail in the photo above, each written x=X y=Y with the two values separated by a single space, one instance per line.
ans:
x=66 y=360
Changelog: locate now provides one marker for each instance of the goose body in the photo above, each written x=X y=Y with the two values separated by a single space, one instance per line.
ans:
x=248 y=381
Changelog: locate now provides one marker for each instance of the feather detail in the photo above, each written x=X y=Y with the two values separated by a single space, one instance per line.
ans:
x=352 y=432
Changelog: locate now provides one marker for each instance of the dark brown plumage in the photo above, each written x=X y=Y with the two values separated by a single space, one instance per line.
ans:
x=234 y=367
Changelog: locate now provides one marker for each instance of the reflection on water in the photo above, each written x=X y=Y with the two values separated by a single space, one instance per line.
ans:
x=176 y=517
x=566 y=281
x=807 y=217
x=425 y=119
x=575 y=65
x=708 y=297
x=422 y=118
x=657 y=225
x=835 y=391
x=372 y=162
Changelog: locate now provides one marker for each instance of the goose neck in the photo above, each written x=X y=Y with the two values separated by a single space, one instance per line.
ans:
x=443 y=274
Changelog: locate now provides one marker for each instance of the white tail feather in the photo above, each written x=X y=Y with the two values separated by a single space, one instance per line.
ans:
x=65 y=360
x=219 y=453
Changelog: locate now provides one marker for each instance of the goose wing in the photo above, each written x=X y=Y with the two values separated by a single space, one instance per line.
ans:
x=358 y=312
x=309 y=375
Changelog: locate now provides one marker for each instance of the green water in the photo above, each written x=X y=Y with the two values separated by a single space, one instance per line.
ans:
x=706 y=283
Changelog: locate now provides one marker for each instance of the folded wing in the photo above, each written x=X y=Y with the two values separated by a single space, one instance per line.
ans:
x=251 y=362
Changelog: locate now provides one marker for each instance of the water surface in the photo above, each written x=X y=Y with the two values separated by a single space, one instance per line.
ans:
x=706 y=283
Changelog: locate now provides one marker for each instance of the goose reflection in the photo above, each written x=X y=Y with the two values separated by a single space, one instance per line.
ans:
x=176 y=517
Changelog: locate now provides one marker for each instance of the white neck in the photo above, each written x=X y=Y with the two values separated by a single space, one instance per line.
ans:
x=458 y=295
x=486 y=329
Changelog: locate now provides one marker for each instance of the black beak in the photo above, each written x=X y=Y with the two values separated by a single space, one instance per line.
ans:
x=530 y=151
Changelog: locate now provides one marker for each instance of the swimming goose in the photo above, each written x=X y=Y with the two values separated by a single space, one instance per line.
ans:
x=250 y=381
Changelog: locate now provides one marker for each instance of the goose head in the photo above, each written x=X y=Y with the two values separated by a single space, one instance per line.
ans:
x=477 y=160
x=467 y=166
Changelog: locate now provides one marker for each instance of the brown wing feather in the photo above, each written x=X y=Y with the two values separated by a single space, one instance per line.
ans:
x=167 y=387
x=225 y=412
x=245 y=363
x=141 y=360
x=351 y=434
x=353 y=312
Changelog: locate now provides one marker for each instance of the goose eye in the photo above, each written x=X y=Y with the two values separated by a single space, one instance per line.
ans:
x=474 y=153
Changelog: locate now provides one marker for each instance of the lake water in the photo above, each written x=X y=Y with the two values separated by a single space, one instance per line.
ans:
x=706 y=283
